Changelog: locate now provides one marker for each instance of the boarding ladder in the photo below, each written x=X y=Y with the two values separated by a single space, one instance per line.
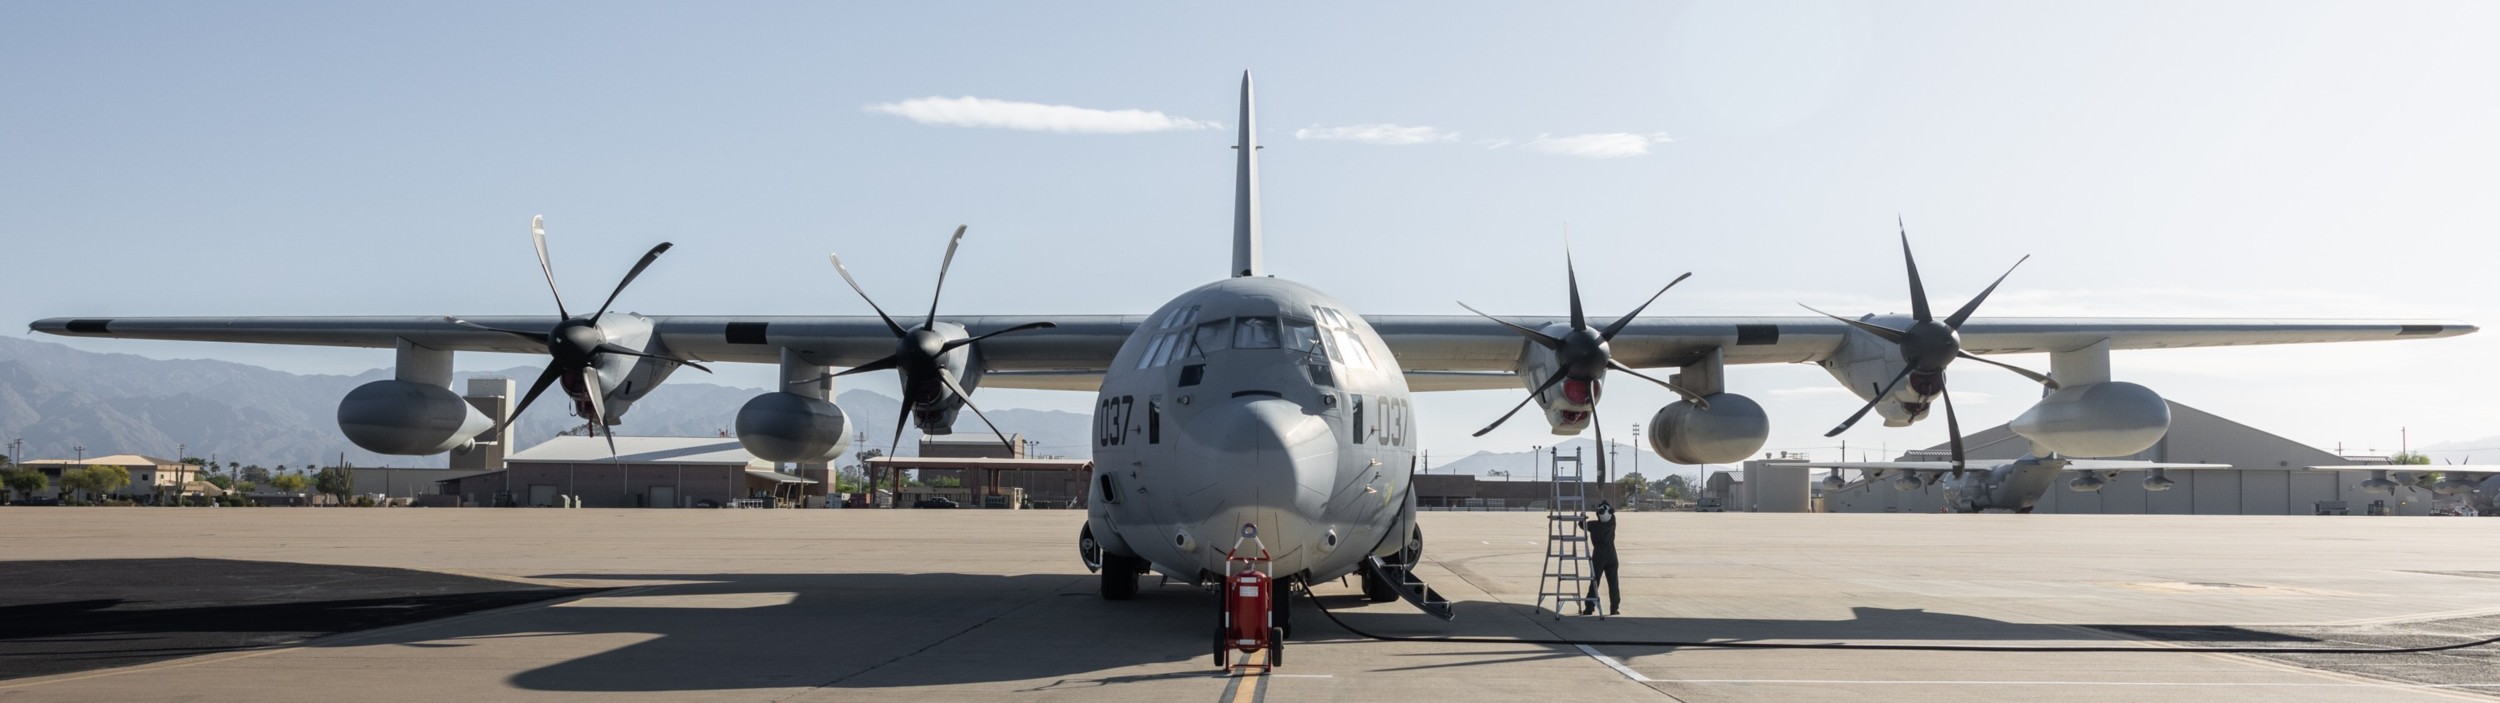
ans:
x=1566 y=578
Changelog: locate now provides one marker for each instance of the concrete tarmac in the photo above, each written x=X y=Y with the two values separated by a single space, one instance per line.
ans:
x=741 y=605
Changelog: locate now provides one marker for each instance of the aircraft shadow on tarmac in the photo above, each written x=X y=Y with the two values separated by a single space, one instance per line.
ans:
x=880 y=630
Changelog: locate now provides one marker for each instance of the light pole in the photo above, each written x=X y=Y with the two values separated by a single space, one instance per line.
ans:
x=82 y=453
x=1636 y=447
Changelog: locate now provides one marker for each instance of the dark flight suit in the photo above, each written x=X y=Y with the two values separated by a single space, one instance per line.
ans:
x=1603 y=567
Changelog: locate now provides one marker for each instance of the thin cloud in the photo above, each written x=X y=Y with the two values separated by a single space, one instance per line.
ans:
x=970 y=111
x=1610 y=145
x=1382 y=134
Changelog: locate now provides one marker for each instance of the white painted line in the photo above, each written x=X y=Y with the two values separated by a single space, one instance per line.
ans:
x=2208 y=684
x=1619 y=668
x=1302 y=676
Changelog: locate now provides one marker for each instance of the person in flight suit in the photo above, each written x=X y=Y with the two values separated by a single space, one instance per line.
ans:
x=1602 y=562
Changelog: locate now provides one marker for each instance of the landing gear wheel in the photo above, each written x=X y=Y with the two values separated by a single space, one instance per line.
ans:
x=1280 y=610
x=1119 y=576
x=1378 y=589
x=1275 y=647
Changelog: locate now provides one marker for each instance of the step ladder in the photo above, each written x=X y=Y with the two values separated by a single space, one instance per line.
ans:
x=1566 y=579
x=1411 y=589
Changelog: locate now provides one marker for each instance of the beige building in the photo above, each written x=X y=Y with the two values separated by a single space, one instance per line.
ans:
x=149 y=476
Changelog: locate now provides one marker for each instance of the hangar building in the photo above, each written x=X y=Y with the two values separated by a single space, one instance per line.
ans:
x=2269 y=476
x=646 y=472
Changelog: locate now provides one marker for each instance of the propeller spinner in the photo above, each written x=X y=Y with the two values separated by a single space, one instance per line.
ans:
x=1584 y=357
x=919 y=352
x=576 y=344
x=1927 y=347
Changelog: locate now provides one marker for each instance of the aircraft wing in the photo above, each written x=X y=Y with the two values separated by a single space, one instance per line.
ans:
x=1465 y=343
x=2071 y=465
x=1439 y=352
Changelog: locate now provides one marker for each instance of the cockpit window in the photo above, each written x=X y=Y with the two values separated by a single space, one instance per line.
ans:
x=1211 y=336
x=1301 y=335
x=1254 y=333
x=1344 y=345
x=1180 y=318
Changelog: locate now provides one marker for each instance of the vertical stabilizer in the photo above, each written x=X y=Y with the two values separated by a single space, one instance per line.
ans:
x=1246 y=257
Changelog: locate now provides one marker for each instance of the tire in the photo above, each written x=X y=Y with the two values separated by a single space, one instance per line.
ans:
x=1275 y=647
x=1280 y=610
x=1378 y=589
x=1119 y=576
x=1219 y=647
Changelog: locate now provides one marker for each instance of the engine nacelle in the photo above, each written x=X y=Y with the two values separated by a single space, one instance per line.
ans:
x=2454 y=485
x=2112 y=418
x=400 y=417
x=2087 y=483
x=2378 y=483
x=791 y=427
x=1730 y=431
x=2154 y=481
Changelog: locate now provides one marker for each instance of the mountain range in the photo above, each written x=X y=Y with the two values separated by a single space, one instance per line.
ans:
x=57 y=399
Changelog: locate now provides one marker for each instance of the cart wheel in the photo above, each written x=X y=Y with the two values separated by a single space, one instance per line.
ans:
x=1219 y=647
x=1275 y=647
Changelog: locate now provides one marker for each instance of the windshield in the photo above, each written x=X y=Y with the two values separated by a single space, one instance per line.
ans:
x=1254 y=333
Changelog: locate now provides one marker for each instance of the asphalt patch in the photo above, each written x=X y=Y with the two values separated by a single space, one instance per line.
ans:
x=2469 y=670
x=59 y=617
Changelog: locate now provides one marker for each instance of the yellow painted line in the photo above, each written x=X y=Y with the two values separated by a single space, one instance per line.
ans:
x=1235 y=691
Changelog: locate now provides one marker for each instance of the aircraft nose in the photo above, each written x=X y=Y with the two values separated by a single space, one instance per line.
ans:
x=1274 y=463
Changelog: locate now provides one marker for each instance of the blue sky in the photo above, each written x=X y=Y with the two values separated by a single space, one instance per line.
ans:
x=2175 y=159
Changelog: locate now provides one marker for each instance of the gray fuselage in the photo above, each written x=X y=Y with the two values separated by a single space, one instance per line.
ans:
x=1253 y=401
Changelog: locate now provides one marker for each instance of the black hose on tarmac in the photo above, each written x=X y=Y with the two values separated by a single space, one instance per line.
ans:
x=2071 y=649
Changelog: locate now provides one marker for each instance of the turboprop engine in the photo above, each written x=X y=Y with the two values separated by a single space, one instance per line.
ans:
x=2378 y=483
x=2455 y=484
x=402 y=417
x=2155 y=481
x=781 y=426
x=1730 y=429
x=2089 y=482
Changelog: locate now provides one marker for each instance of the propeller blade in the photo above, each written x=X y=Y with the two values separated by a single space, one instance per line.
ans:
x=545 y=378
x=1695 y=398
x=863 y=295
x=1602 y=477
x=1880 y=395
x=942 y=267
x=948 y=377
x=1542 y=339
x=538 y=239
x=1886 y=333
x=539 y=337
x=1918 y=289
x=612 y=348
x=953 y=345
x=598 y=397
x=2041 y=378
x=899 y=423
x=1953 y=426
x=1959 y=316
x=1514 y=410
x=879 y=365
x=1572 y=276
x=1617 y=327
x=647 y=258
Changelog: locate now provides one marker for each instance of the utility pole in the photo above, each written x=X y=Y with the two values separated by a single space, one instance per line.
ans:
x=1536 y=462
x=1636 y=447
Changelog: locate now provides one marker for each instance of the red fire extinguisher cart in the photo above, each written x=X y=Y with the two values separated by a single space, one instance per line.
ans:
x=1249 y=606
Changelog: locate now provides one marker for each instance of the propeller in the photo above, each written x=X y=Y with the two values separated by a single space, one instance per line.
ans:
x=1584 y=357
x=576 y=344
x=1927 y=347
x=920 y=351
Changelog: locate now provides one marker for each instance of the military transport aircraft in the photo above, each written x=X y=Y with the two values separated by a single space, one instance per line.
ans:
x=1255 y=400
x=2013 y=486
